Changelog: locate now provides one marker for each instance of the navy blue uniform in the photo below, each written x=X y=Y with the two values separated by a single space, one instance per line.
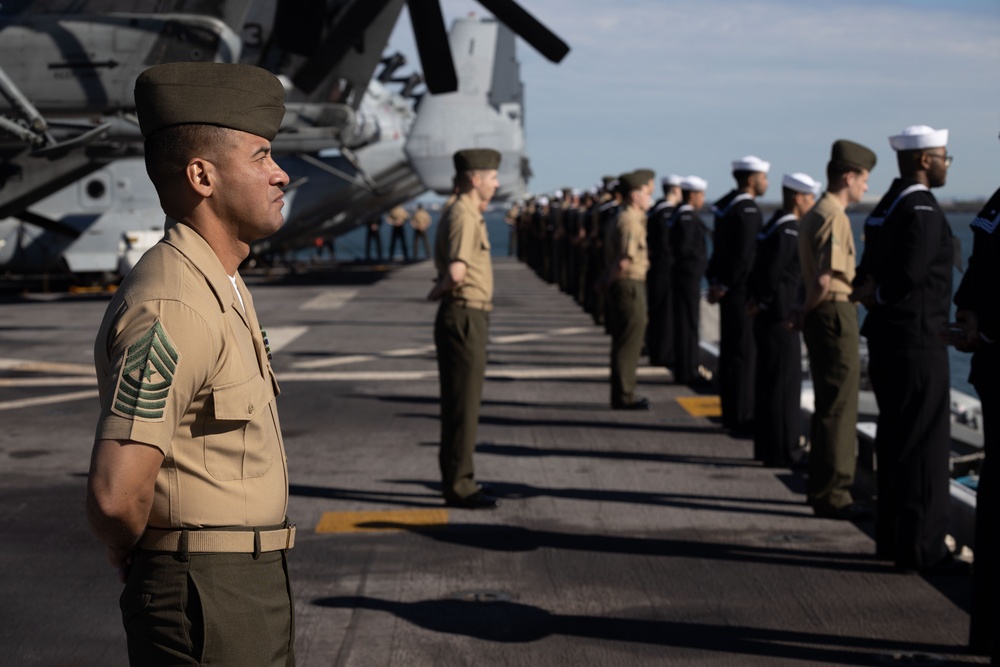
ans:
x=910 y=260
x=737 y=223
x=687 y=239
x=774 y=285
x=659 y=333
x=977 y=293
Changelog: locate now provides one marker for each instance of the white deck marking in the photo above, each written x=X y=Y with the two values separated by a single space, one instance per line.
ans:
x=326 y=362
x=329 y=299
x=59 y=381
x=598 y=372
x=26 y=366
x=46 y=400
x=280 y=337
x=541 y=335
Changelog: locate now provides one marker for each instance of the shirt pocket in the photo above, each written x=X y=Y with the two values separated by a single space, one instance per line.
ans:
x=240 y=438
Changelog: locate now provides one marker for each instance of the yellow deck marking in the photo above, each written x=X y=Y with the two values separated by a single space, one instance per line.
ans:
x=701 y=406
x=385 y=520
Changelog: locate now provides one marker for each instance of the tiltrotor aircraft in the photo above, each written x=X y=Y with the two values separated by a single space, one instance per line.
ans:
x=74 y=195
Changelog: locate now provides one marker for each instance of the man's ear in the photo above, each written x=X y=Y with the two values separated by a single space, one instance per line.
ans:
x=200 y=176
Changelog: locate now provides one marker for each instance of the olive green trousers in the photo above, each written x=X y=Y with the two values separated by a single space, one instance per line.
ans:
x=460 y=335
x=831 y=335
x=209 y=609
x=627 y=318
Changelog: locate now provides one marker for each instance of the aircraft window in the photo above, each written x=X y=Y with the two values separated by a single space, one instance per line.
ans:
x=95 y=189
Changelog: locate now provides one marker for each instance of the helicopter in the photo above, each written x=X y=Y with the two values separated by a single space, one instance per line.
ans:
x=72 y=186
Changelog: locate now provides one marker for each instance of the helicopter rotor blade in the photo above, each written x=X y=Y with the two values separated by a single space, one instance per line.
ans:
x=433 y=46
x=345 y=34
x=528 y=27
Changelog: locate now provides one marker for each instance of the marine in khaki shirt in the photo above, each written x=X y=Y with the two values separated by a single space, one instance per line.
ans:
x=628 y=262
x=182 y=367
x=464 y=286
x=829 y=325
x=826 y=245
x=627 y=240
x=188 y=484
x=462 y=237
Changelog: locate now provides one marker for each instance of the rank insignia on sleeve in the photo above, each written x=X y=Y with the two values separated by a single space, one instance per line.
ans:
x=146 y=376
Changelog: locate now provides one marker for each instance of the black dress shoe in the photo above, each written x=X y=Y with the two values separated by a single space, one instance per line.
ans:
x=852 y=512
x=637 y=404
x=477 y=501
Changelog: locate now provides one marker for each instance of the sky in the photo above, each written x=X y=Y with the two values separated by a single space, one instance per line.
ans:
x=688 y=86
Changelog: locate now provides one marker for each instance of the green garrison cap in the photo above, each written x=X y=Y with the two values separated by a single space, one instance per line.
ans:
x=471 y=159
x=241 y=97
x=635 y=179
x=853 y=154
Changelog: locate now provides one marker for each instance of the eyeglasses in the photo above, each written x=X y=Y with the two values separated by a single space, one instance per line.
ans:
x=947 y=158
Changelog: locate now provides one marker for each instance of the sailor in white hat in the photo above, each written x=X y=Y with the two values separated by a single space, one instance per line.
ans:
x=659 y=336
x=687 y=241
x=909 y=269
x=737 y=222
x=774 y=289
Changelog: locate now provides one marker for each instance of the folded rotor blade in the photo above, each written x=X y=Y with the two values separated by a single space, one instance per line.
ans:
x=528 y=27
x=433 y=46
x=346 y=32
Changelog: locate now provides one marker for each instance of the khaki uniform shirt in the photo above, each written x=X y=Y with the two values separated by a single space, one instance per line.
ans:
x=461 y=237
x=421 y=220
x=627 y=238
x=826 y=243
x=398 y=216
x=182 y=367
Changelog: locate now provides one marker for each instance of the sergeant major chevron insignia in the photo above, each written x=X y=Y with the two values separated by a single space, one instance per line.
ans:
x=146 y=376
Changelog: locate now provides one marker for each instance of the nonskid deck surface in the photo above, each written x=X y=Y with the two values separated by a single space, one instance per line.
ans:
x=624 y=538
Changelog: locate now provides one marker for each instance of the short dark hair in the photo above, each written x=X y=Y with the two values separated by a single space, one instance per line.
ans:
x=742 y=177
x=835 y=169
x=788 y=198
x=168 y=151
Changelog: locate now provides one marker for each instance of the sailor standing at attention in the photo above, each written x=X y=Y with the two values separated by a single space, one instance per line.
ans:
x=737 y=222
x=687 y=241
x=464 y=287
x=829 y=325
x=907 y=291
x=659 y=334
x=977 y=330
x=188 y=484
x=774 y=293
x=628 y=262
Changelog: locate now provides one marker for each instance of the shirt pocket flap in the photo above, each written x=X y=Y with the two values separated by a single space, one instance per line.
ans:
x=241 y=400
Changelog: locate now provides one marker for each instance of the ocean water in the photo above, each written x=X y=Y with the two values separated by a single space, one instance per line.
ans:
x=351 y=246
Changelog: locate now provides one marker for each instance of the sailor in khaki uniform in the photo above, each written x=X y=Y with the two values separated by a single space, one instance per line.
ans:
x=628 y=262
x=188 y=485
x=465 y=288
